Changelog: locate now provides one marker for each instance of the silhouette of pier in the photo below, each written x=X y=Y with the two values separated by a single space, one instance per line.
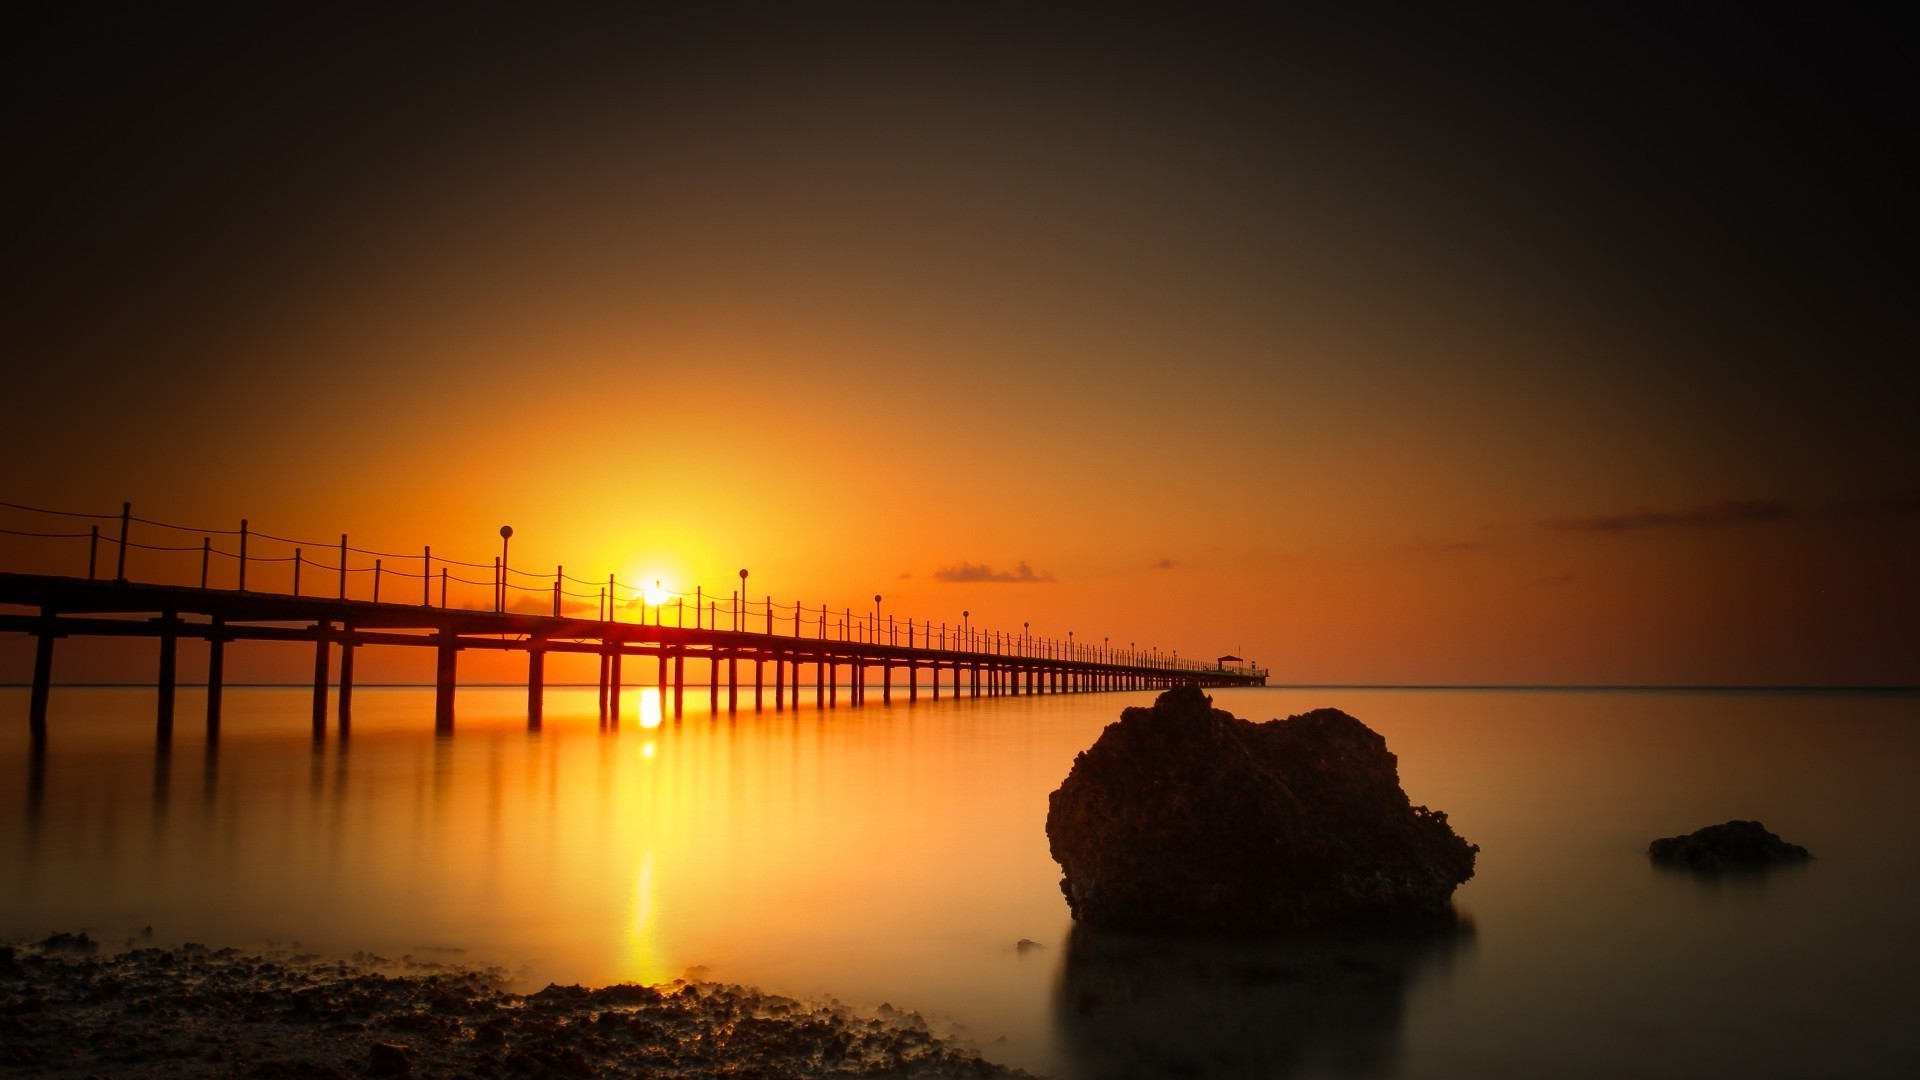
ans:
x=795 y=647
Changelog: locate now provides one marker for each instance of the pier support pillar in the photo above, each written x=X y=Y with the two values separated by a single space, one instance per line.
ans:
x=343 y=709
x=733 y=683
x=779 y=684
x=758 y=682
x=320 y=651
x=444 y=674
x=169 y=664
x=614 y=679
x=42 y=683
x=913 y=682
x=833 y=685
x=536 y=687
x=713 y=683
x=679 y=680
x=216 y=678
x=606 y=665
x=886 y=683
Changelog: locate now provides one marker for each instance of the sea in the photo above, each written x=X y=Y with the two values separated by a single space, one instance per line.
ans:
x=897 y=855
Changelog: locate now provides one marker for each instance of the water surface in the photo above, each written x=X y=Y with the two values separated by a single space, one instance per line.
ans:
x=898 y=855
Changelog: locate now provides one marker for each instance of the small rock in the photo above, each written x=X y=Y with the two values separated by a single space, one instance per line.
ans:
x=389 y=1059
x=1735 y=845
x=1026 y=945
x=74 y=943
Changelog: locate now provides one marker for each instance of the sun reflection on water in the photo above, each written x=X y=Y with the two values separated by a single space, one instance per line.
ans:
x=644 y=962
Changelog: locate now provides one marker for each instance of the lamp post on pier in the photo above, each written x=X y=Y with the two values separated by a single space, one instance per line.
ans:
x=500 y=591
x=740 y=612
x=876 y=617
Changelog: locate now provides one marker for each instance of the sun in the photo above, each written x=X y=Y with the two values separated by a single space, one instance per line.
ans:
x=655 y=595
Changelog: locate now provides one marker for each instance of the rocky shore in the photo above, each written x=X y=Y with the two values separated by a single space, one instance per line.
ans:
x=69 y=1009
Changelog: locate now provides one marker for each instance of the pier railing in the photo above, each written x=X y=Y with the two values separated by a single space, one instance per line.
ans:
x=246 y=559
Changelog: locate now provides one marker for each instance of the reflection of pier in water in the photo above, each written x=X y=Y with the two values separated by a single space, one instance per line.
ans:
x=794 y=639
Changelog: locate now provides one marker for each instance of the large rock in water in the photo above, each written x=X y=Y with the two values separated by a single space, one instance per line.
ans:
x=1183 y=817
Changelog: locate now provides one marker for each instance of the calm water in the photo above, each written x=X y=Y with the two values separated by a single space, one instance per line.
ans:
x=898 y=854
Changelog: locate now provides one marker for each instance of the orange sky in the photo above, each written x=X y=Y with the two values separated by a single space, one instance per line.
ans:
x=1325 y=352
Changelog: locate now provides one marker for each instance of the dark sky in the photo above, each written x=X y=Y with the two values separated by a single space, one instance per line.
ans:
x=1467 y=271
x=1737 y=170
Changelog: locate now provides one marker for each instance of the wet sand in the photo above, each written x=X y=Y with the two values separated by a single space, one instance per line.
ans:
x=70 y=1008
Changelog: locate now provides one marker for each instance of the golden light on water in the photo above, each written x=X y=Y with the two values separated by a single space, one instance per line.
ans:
x=644 y=962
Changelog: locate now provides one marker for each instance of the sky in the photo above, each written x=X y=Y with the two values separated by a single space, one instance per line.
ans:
x=1376 y=345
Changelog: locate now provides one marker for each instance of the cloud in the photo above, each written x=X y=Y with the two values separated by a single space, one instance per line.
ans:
x=967 y=572
x=1724 y=512
x=1162 y=563
x=903 y=575
x=542 y=604
x=1442 y=547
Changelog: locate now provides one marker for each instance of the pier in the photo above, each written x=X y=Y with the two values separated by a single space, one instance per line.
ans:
x=799 y=649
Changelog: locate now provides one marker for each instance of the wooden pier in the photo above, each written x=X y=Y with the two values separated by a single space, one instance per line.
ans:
x=924 y=662
x=799 y=648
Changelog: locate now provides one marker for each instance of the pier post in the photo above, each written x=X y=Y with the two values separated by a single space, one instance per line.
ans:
x=779 y=684
x=444 y=674
x=120 y=570
x=169 y=655
x=936 y=680
x=679 y=680
x=913 y=678
x=42 y=680
x=536 y=686
x=216 y=677
x=320 y=679
x=606 y=662
x=758 y=683
x=613 y=690
x=343 y=709
x=886 y=682
x=733 y=681
x=833 y=685
x=713 y=682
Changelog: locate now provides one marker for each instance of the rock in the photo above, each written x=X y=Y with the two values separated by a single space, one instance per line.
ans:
x=1183 y=817
x=70 y=943
x=389 y=1059
x=1026 y=945
x=1733 y=846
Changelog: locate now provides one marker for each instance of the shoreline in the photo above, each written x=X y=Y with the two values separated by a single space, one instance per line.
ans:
x=70 y=1007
